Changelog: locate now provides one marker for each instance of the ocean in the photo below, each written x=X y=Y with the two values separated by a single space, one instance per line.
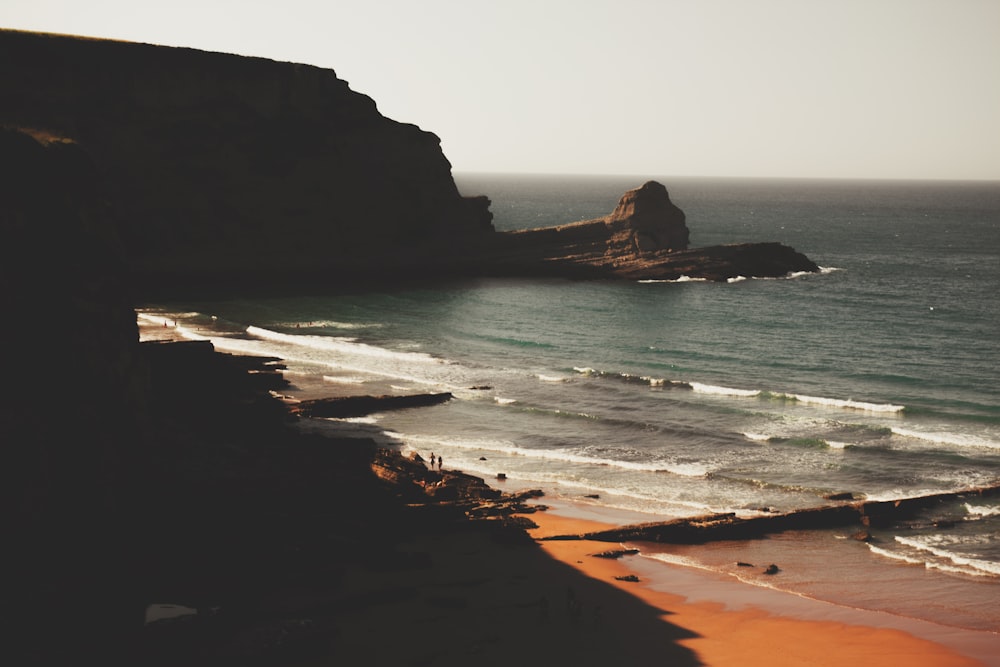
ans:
x=878 y=376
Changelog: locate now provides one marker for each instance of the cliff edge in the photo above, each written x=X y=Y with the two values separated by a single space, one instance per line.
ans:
x=223 y=167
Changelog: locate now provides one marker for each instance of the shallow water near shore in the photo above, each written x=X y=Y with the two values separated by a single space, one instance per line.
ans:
x=877 y=377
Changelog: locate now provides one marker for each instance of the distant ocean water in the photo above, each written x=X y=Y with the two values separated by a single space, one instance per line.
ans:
x=879 y=376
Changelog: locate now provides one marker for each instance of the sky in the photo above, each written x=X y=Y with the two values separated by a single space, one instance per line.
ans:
x=745 y=88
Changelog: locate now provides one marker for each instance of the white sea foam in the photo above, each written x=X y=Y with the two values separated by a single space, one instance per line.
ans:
x=757 y=437
x=332 y=324
x=343 y=346
x=934 y=545
x=723 y=391
x=952 y=439
x=551 y=378
x=736 y=279
x=676 y=559
x=890 y=495
x=982 y=510
x=682 y=279
x=895 y=555
x=343 y=379
x=848 y=404
x=500 y=400
x=508 y=448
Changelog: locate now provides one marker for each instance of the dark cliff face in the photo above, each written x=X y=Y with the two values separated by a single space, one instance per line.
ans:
x=72 y=418
x=220 y=164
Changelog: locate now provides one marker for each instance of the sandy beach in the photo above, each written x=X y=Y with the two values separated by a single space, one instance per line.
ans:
x=476 y=600
x=455 y=593
x=731 y=623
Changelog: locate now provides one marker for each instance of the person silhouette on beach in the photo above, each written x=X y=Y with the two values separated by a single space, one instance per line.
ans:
x=440 y=463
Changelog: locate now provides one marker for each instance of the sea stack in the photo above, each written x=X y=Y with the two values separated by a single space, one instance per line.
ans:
x=645 y=220
x=644 y=238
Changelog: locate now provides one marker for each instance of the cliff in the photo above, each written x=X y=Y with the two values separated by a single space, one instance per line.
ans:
x=73 y=418
x=224 y=167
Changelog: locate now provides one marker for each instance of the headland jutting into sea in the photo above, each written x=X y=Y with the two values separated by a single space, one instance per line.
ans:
x=160 y=473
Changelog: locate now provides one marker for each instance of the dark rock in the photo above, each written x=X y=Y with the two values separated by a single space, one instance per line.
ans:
x=699 y=530
x=628 y=577
x=201 y=152
x=616 y=553
x=359 y=406
x=743 y=564
x=592 y=495
x=522 y=522
x=74 y=459
x=846 y=495
x=772 y=569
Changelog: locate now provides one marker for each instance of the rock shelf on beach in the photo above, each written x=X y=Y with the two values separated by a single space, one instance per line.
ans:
x=359 y=406
x=727 y=526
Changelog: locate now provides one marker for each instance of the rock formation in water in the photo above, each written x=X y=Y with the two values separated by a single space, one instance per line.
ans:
x=645 y=237
x=236 y=173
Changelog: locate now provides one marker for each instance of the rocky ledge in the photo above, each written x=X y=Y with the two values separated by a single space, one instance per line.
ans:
x=727 y=526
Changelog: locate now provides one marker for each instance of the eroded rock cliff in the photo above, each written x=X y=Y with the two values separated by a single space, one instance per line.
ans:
x=71 y=420
x=228 y=168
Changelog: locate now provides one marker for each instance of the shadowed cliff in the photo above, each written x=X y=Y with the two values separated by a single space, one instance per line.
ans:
x=224 y=167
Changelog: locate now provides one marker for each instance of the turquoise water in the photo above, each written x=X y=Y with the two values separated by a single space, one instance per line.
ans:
x=878 y=376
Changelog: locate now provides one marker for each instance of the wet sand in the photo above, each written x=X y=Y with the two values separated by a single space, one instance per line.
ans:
x=734 y=623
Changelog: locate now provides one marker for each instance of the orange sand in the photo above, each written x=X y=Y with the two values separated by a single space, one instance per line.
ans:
x=749 y=636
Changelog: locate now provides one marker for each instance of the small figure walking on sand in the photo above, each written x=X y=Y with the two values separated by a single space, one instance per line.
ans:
x=432 y=460
x=440 y=463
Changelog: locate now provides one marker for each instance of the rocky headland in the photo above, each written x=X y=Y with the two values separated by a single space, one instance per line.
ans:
x=232 y=173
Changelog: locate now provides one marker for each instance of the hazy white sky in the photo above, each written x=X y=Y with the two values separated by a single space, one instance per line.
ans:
x=812 y=88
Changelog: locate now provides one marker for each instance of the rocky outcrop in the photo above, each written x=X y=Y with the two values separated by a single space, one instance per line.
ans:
x=644 y=238
x=359 y=406
x=727 y=526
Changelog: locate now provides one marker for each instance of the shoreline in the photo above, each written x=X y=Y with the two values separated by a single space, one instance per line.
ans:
x=700 y=617
x=739 y=623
